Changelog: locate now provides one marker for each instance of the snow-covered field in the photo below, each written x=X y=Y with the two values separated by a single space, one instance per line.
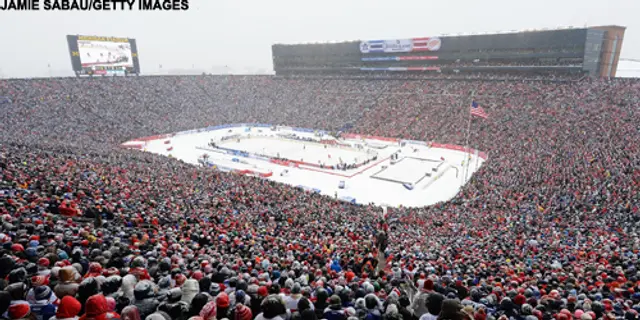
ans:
x=254 y=146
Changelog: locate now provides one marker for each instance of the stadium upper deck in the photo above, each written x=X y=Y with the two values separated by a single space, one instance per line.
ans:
x=594 y=51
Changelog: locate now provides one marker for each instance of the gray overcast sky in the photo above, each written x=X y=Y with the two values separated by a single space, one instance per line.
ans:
x=239 y=33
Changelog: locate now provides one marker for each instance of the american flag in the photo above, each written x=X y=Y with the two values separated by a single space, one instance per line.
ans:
x=478 y=111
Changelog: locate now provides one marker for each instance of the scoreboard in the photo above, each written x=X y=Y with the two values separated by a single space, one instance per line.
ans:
x=94 y=55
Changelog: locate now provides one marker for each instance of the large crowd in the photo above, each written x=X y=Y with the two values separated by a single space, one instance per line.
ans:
x=546 y=229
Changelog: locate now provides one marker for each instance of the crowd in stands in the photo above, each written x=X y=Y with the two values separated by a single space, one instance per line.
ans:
x=547 y=228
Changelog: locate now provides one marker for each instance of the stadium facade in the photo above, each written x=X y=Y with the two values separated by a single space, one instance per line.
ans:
x=592 y=51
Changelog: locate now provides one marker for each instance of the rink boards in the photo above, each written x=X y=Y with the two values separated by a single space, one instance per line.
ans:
x=362 y=184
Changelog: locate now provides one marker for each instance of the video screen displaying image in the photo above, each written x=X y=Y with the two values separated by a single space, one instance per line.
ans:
x=97 y=55
x=105 y=54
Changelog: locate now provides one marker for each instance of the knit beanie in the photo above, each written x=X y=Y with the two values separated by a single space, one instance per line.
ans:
x=209 y=310
x=243 y=313
x=42 y=293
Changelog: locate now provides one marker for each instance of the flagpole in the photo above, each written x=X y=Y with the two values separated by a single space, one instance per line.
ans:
x=467 y=160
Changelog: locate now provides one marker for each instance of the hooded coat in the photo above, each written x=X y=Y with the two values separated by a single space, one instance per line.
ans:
x=67 y=285
x=68 y=309
x=190 y=288
x=128 y=284
x=145 y=299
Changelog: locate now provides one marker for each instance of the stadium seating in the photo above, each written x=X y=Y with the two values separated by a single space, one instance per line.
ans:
x=548 y=224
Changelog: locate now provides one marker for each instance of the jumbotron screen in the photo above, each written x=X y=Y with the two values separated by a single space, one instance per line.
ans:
x=93 y=55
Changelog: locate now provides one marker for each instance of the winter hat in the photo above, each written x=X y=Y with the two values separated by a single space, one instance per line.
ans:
x=240 y=296
x=243 y=313
x=303 y=304
x=130 y=313
x=164 y=282
x=37 y=281
x=143 y=290
x=174 y=295
x=428 y=285
x=222 y=300
x=208 y=312
x=42 y=293
x=585 y=316
x=204 y=284
x=263 y=291
x=88 y=287
x=69 y=307
x=480 y=315
x=272 y=306
x=197 y=275
x=335 y=300
x=18 y=275
x=17 y=290
x=198 y=302
x=111 y=304
x=44 y=262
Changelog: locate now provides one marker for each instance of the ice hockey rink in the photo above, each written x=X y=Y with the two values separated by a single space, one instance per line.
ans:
x=105 y=53
x=420 y=173
x=296 y=150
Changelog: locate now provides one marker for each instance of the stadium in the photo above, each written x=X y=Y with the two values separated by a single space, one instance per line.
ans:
x=452 y=178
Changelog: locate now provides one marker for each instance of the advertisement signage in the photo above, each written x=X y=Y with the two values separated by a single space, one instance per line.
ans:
x=404 y=58
x=426 y=44
x=401 y=45
x=432 y=68
x=372 y=46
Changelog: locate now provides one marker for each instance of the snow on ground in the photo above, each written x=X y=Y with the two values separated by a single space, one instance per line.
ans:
x=415 y=161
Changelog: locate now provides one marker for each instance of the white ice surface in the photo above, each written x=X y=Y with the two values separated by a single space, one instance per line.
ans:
x=408 y=170
x=296 y=150
x=359 y=185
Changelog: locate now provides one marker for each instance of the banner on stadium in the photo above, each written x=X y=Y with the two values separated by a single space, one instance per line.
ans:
x=423 y=68
x=385 y=69
x=426 y=44
x=372 y=46
x=407 y=58
x=402 y=69
x=401 y=45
